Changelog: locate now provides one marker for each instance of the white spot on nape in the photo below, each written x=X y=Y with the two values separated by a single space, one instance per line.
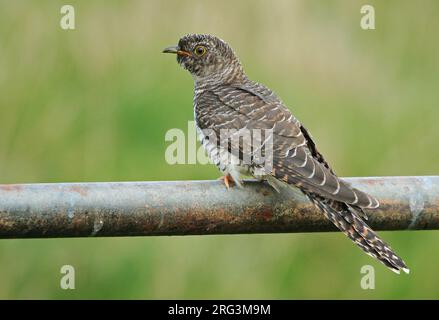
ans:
x=416 y=204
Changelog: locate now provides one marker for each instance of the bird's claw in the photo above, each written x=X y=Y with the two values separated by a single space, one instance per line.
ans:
x=228 y=181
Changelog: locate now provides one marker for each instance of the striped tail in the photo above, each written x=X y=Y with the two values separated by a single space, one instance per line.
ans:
x=347 y=219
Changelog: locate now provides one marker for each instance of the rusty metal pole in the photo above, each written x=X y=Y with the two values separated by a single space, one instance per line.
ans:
x=199 y=207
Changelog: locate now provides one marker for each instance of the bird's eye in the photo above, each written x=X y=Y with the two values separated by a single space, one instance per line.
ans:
x=200 y=50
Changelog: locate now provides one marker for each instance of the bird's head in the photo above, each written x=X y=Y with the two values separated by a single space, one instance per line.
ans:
x=207 y=58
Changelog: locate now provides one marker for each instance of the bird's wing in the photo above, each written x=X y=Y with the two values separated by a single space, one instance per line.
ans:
x=295 y=159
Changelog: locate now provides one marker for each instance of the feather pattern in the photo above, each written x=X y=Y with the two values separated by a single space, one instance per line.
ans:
x=227 y=105
x=296 y=160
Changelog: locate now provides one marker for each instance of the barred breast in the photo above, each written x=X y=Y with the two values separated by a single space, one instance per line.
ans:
x=226 y=162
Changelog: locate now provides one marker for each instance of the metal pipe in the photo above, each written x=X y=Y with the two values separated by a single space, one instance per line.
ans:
x=199 y=207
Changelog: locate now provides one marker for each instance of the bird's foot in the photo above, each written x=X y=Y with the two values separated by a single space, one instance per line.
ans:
x=228 y=181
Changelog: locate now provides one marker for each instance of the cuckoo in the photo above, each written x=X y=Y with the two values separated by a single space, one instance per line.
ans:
x=247 y=130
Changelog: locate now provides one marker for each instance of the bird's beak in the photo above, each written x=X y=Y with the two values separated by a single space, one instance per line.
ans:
x=176 y=50
x=172 y=49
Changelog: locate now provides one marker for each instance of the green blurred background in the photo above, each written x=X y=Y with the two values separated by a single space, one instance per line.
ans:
x=94 y=104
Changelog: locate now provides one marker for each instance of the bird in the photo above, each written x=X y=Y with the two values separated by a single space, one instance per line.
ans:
x=227 y=103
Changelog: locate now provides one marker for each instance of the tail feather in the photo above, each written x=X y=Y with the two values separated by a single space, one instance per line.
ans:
x=348 y=220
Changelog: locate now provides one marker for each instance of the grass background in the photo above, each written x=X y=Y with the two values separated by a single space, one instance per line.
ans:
x=94 y=104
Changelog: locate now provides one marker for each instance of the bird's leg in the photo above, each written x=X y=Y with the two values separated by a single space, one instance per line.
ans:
x=228 y=180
